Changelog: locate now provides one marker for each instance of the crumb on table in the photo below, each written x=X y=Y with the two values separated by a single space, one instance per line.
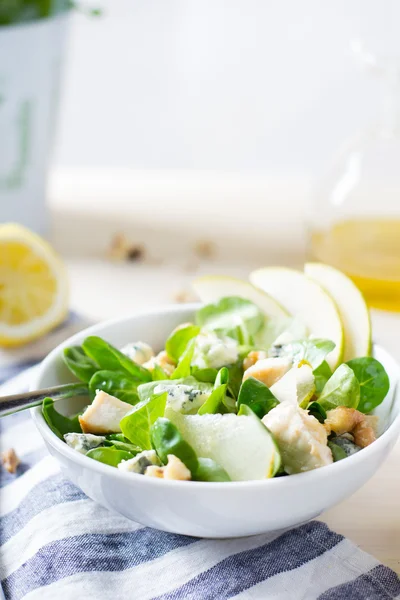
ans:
x=10 y=460
x=121 y=249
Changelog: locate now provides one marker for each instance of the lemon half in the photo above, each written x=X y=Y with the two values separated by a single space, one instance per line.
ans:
x=33 y=286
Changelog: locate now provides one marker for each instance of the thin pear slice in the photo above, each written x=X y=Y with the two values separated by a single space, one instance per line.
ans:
x=303 y=297
x=241 y=444
x=352 y=308
x=211 y=288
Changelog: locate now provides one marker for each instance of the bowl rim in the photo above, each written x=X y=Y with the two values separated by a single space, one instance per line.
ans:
x=390 y=434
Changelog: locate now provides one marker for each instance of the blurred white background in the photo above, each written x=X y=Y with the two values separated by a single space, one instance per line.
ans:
x=224 y=85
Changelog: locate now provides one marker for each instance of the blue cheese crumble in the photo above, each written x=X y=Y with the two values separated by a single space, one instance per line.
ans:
x=139 y=352
x=83 y=442
x=183 y=398
x=140 y=462
x=213 y=352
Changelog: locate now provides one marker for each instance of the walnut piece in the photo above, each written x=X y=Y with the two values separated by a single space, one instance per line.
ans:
x=10 y=460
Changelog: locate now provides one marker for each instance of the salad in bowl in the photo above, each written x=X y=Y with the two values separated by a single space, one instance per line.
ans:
x=268 y=379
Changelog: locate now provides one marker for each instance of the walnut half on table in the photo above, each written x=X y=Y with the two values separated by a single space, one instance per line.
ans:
x=10 y=460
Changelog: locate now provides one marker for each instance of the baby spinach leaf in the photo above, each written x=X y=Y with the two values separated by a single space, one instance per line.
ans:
x=215 y=402
x=117 y=384
x=342 y=389
x=159 y=374
x=81 y=365
x=166 y=439
x=137 y=424
x=257 y=396
x=119 y=441
x=209 y=470
x=321 y=374
x=111 y=359
x=229 y=312
x=373 y=380
x=58 y=423
x=109 y=455
x=337 y=452
x=178 y=340
x=312 y=351
x=183 y=368
x=235 y=378
x=316 y=410
x=204 y=375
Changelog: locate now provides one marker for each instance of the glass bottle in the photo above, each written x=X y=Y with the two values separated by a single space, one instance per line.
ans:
x=354 y=219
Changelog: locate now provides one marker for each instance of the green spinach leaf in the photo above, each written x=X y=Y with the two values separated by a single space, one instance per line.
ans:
x=312 y=351
x=119 y=441
x=342 y=389
x=209 y=470
x=178 y=340
x=316 y=410
x=111 y=359
x=109 y=455
x=337 y=452
x=321 y=374
x=159 y=374
x=373 y=380
x=215 y=402
x=81 y=365
x=137 y=424
x=204 y=375
x=166 y=439
x=257 y=396
x=116 y=383
x=235 y=378
x=58 y=423
x=183 y=368
x=229 y=313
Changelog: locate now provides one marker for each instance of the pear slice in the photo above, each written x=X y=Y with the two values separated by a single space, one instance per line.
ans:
x=352 y=308
x=241 y=444
x=211 y=288
x=303 y=297
x=297 y=386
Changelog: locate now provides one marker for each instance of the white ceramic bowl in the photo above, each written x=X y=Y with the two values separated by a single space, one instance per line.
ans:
x=207 y=509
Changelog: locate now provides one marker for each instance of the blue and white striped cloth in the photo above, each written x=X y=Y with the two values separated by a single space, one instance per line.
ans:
x=58 y=544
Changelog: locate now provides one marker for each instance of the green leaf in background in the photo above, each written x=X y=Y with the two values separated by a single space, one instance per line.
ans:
x=166 y=439
x=109 y=455
x=373 y=380
x=117 y=384
x=257 y=396
x=317 y=411
x=322 y=374
x=58 y=423
x=215 y=403
x=178 y=340
x=342 y=389
x=81 y=365
x=312 y=351
x=337 y=452
x=137 y=424
x=111 y=359
x=183 y=368
x=230 y=312
x=209 y=470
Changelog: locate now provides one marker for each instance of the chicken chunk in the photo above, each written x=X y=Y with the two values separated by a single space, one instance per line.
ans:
x=268 y=370
x=175 y=469
x=139 y=352
x=301 y=438
x=164 y=361
x=104 y=414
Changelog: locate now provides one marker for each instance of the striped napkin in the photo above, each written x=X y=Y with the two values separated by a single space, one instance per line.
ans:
x=58 y=544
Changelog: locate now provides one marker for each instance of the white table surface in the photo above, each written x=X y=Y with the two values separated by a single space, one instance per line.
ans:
x=101 y=289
